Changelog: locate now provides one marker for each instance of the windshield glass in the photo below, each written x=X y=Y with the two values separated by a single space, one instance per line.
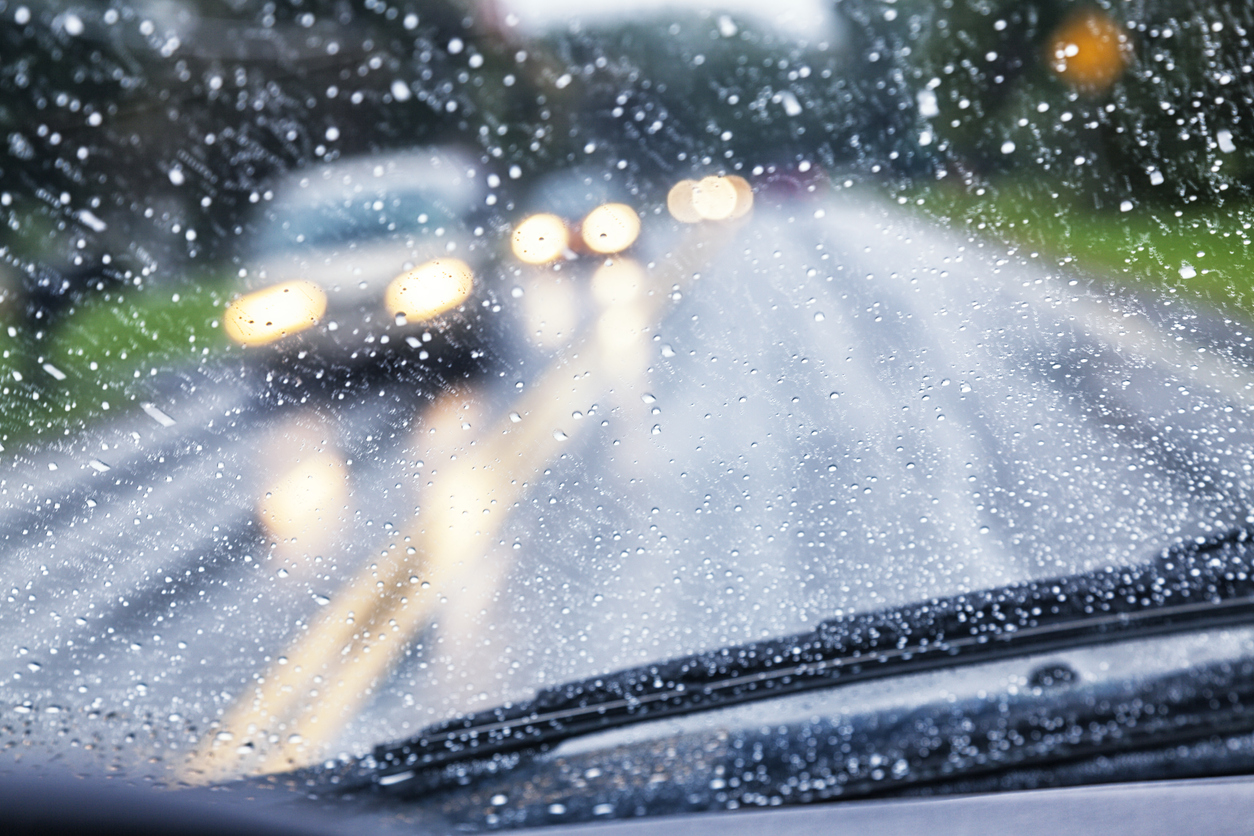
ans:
x=369 y=365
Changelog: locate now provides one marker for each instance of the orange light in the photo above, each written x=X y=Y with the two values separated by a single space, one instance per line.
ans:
x=1089 y=51
x=429 y=289
x=274 y=312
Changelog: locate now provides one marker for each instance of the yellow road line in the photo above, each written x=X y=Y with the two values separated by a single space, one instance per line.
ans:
x=301 y=704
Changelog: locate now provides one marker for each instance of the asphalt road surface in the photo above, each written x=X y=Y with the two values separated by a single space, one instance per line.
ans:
x=819 y=409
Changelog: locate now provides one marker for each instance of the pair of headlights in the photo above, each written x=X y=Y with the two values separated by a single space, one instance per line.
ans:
x=272 y=313
x=607 y=229
x=712 y=198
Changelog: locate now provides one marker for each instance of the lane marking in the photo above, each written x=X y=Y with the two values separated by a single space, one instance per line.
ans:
x=302 y=705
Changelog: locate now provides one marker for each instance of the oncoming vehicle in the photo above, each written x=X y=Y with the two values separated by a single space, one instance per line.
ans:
x=608 y=418
x=363 y=252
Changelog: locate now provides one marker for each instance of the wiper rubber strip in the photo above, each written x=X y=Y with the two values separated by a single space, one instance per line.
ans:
x=1197 y=586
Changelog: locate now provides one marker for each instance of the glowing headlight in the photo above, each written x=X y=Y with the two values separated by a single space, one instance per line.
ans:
x=540 y=239
x=611 y=228
x=429 y=289
x=274 y=312
x=680 y=204
x=710 y=199
x=714 y=198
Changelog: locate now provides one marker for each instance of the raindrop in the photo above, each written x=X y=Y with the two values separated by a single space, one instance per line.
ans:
x=157 y=415
x=400 y=91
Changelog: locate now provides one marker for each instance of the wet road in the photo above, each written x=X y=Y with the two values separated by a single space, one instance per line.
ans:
x=820 y=409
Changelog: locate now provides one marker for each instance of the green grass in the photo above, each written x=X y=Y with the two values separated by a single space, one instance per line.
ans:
x=1149 y=246
x=108 y=350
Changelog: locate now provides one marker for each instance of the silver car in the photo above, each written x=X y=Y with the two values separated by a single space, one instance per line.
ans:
x=365 y=254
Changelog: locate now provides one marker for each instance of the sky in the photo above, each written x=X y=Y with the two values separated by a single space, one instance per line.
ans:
x=812 y=19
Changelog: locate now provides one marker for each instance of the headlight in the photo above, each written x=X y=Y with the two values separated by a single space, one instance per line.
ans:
x=540 y=239
x=710 y=199
x=611 y=228
x=429 y=289
x=274 y=312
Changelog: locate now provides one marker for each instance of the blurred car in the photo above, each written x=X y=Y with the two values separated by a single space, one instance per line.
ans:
x=366 y=255
x=579 y=223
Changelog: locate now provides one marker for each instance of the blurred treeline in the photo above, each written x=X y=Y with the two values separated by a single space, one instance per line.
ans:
x=1166 y=117
x=138 y=140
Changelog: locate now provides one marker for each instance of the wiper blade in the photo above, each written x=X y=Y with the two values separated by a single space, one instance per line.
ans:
x=1197 y=586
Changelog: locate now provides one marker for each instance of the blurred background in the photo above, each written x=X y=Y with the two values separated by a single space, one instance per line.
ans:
x=141 y=144
x=207 y=353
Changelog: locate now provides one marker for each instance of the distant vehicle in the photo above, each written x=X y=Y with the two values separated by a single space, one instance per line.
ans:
x=366 y=255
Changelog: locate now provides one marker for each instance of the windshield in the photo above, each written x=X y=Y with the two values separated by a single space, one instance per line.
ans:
x=367 y=366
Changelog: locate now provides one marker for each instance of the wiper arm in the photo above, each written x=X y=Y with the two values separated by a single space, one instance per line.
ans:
x=1192 y=587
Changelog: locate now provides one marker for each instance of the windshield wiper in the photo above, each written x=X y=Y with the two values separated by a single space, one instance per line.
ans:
x=1192 y=587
